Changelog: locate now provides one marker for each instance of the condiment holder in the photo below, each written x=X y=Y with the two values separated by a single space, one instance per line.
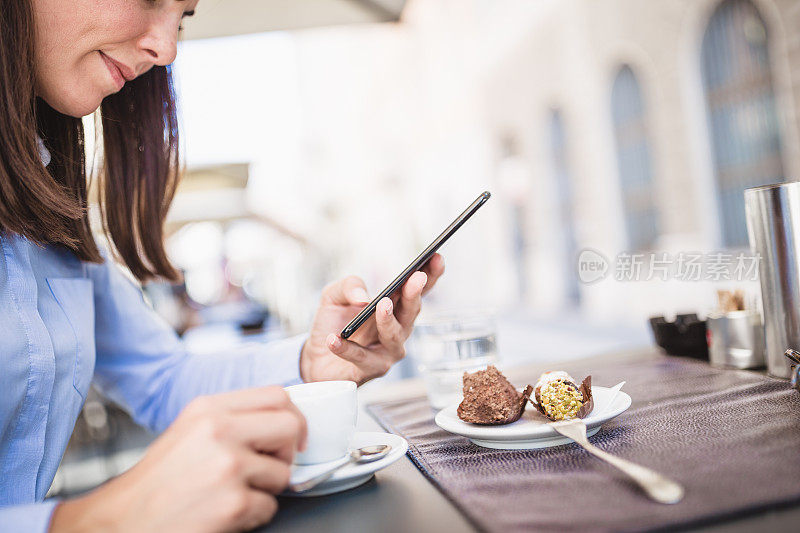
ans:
x=736 y=339
x=685 y=336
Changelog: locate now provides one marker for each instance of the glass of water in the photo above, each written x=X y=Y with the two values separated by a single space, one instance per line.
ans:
x=445 y=346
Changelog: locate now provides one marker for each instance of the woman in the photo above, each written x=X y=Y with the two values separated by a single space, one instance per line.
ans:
x=69 y=318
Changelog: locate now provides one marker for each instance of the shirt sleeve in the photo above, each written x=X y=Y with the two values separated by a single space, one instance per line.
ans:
x=142 y=365
x=30 y=518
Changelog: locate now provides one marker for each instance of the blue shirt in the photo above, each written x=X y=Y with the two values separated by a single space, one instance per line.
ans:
x=65 y=324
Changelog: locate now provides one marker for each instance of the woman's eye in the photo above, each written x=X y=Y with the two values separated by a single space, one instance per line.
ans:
x=185 y=14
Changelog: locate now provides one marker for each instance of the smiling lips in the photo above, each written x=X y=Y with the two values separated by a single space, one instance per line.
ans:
x=120 y=73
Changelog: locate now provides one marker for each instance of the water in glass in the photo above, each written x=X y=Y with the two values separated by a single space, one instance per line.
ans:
x=445 y=348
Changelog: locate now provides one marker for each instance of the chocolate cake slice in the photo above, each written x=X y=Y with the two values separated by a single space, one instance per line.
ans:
x=490 y=399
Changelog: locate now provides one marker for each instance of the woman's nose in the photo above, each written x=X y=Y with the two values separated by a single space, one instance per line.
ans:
x=160 y=42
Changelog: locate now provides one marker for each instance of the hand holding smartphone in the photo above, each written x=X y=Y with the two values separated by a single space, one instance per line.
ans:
x=415 y=265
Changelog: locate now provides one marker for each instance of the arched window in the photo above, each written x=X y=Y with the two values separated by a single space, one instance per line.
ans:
x=745 y=136
x=561 y=175
x=514 y=175
x=633 y=161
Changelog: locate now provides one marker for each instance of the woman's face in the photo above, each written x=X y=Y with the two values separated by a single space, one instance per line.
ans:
x=87 y=49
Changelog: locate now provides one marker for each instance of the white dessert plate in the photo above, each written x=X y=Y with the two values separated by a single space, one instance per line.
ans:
x=532 y=430
x=349 y=476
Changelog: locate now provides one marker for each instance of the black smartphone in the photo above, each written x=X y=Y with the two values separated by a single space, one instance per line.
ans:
x=415 y=265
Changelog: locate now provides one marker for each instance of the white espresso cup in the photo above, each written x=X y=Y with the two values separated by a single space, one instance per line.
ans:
x=330 y=409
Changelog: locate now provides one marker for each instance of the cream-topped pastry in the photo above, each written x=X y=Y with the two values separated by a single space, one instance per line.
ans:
x=553 y=375
x=559 y=398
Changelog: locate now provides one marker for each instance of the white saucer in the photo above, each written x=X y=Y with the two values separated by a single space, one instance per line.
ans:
x=532 y=430
x=349 y=476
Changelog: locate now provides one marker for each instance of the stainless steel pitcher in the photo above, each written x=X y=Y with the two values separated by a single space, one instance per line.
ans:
x=773 y=227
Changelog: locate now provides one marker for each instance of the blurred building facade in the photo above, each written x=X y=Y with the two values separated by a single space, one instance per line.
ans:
x=618 y=126
x=671 y=109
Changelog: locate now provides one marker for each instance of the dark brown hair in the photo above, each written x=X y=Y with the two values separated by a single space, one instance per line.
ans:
x=49 y=205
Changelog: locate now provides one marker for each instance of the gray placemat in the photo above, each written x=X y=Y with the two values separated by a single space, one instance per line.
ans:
x=732 y=438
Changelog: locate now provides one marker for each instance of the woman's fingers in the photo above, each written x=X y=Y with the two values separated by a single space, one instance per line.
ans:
x=434 y=268
x=348 y=291
x=277 y=432
x=348 y=350
x=267 y=473
x=249 y=509
x=410 y=301
x=370 y=363
x=246 y=399
x=390 y=332
x=258 y=402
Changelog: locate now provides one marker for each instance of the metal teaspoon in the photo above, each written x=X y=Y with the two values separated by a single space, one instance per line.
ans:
x=658 y=487
x=366 y=454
